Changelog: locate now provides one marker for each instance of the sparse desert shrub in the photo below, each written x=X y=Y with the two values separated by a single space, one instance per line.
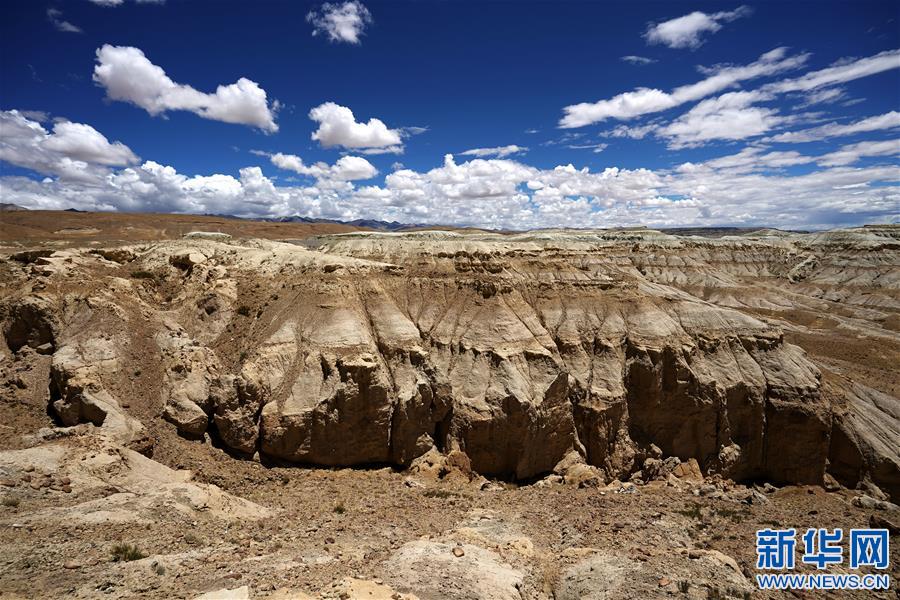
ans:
x=442 y=494
x=693 y=512
x=736 y=516
x=339 y=508
x=192 y=539
x=11 y=501
x=243 y=310
x=126 y=553
x=714 y=594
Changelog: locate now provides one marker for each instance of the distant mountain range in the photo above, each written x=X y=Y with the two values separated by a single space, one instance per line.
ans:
x=720 y=231
x=397 y=226
x=370 y=223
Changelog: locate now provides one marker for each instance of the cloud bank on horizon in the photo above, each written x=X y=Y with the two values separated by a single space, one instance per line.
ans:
x=779 y=140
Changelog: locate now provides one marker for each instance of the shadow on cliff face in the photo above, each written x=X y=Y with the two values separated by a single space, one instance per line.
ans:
x=30 y=322
x=320 y=359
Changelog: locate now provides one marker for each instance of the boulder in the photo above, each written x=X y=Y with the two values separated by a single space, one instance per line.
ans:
x=241 y=593
x=350 y=587
x=187 y=260
x=190 y=371
x=688 y=471
x=432 y=571
x=78 y=394
x=574 y=471
x=604 y=575
x=435 y=465
x=868 y=502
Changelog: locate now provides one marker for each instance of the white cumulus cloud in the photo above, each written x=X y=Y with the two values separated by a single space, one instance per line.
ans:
x=687 y=31
x=71 y=150
x=339 y=128
x=340 y=22
x=127 y=75
x=347 y=168
x=745 y=188
x=730 y=116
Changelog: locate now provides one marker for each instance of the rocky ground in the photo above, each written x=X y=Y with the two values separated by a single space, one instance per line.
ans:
x=557 y=414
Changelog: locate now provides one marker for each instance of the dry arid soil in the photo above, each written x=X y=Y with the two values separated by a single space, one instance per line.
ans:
x=200 y=405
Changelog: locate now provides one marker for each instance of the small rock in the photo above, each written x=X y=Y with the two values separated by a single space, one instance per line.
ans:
x=872 y=490
x=670 y=463
x=688 y=471
x=830 y=483
x=491 y=486
x=706 y=490
x=879 y=522
x=755 y=497
x=71 y=564
x=549 y=480
x=864 y=502
x=694 y=554
x=458 y=552
x=652 y=469
x=869 y=502
x=413 y=483
x=187 y=260
x=664 y=581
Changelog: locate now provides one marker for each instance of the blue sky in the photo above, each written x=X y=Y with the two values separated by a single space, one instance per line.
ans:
x=775 y=113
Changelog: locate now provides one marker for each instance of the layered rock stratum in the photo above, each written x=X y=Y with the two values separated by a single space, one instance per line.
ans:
x=435 y=414
x=518 y=351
